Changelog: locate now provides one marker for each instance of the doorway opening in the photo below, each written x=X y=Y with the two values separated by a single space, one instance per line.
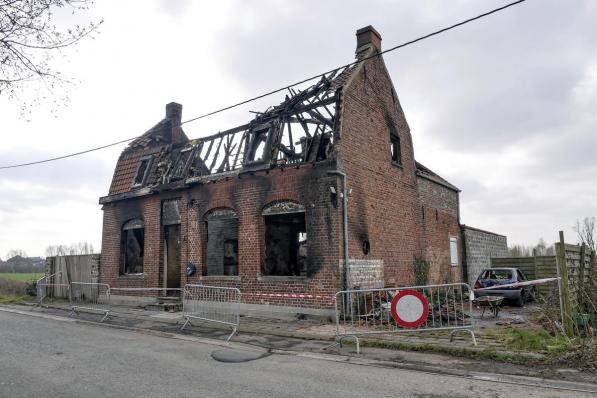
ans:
x=172 y=258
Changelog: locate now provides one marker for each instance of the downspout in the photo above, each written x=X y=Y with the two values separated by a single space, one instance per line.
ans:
x=344 y=226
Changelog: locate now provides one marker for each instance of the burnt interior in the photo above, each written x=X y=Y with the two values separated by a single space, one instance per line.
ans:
x=132 y=247
x=395 y=149
x=222 y=246
x=172 y=247
x=285 y=245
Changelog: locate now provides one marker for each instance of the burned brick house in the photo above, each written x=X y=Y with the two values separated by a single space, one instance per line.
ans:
x=268 y=206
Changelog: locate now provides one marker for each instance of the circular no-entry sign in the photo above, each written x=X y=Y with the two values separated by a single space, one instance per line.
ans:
x=409 y=308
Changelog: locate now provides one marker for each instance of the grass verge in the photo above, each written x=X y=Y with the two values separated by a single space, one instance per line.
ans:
x=21 y=277
x=15 y=299
x=490 y=353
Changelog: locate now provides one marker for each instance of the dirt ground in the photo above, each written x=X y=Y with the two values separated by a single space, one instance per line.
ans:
x=507 y=316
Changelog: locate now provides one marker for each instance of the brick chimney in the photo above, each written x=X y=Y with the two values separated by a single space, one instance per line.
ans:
x=368 y=36
x=174 y=113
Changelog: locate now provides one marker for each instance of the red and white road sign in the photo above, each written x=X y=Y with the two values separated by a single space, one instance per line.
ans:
x=409 y=308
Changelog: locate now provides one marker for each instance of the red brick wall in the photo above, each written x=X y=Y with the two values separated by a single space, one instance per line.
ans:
x=247 y=195
x=388 y=206
x=440 y=222
x=384 y=207
x=115 y=215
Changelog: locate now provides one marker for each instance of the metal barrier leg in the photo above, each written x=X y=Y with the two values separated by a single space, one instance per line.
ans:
x=334 y=344
x=356 y=341
x=464 y=330
x=187 y=322
x=106 y=315
x=73 y=310
x=473 y=337
x=231 y=334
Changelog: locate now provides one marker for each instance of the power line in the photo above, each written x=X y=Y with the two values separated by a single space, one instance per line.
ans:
x=67 y=156
x=267 y=94
x=355 y=62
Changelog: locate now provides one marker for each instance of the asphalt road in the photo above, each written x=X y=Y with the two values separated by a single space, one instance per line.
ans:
x=51 y=358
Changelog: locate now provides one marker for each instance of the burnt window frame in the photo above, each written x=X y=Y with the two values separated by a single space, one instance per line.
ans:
x=291 y=209
x=222 y=213
x=149 y=160
x=181 y=167
x=134 y=224
x=259 y=135
x=395 y=150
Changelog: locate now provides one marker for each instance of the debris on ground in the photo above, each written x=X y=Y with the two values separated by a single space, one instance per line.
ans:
x=582 y=356
x=514 y=320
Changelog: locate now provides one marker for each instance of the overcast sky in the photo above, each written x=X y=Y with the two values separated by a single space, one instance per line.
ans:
x=505 y=108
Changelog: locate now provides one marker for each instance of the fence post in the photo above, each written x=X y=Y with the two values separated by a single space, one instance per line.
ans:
x=565 y=288
x=581 y=299
x=592 y=271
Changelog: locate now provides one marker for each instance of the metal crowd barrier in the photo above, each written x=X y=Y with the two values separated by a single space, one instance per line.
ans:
x=212 y=303
x=46 y=287
x=431 y=308
x=90 y=297
x=141 y=290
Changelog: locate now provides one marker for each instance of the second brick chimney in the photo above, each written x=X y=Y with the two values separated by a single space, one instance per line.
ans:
x=368 y=36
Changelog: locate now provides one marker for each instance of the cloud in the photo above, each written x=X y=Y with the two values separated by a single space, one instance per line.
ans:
x=502 y=107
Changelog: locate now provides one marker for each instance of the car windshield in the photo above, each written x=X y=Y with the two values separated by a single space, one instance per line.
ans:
x=497 y=274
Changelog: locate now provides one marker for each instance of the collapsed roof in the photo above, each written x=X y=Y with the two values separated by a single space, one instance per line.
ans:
x=301 y=129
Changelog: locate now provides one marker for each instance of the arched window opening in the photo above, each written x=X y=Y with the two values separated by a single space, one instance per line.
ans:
x=222 y=243
x=132 y=245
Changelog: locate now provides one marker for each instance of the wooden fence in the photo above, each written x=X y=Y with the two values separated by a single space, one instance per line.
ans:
x=578 y=270
x=525 y=264
x=72 y=268
x=545 y=267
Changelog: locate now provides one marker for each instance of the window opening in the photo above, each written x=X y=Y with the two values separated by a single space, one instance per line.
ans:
x=132 y=247
x=231 y=257
x=453 y=251
x=142 y=171
x=395 y=149
x=285 y=245
x=366 y=247
x=256 y=152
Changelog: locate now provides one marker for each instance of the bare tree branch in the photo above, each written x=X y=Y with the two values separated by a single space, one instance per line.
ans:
x=586 y=231
x=29 y=41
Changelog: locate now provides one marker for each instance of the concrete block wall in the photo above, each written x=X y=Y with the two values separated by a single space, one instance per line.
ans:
x=480 y=246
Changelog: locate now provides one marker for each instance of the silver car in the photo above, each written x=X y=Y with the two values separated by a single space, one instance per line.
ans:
x=504 y=276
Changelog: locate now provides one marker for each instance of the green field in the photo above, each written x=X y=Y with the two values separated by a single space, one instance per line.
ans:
x=20 y=277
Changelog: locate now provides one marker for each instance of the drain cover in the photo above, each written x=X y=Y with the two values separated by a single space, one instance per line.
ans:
x=236 y=356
